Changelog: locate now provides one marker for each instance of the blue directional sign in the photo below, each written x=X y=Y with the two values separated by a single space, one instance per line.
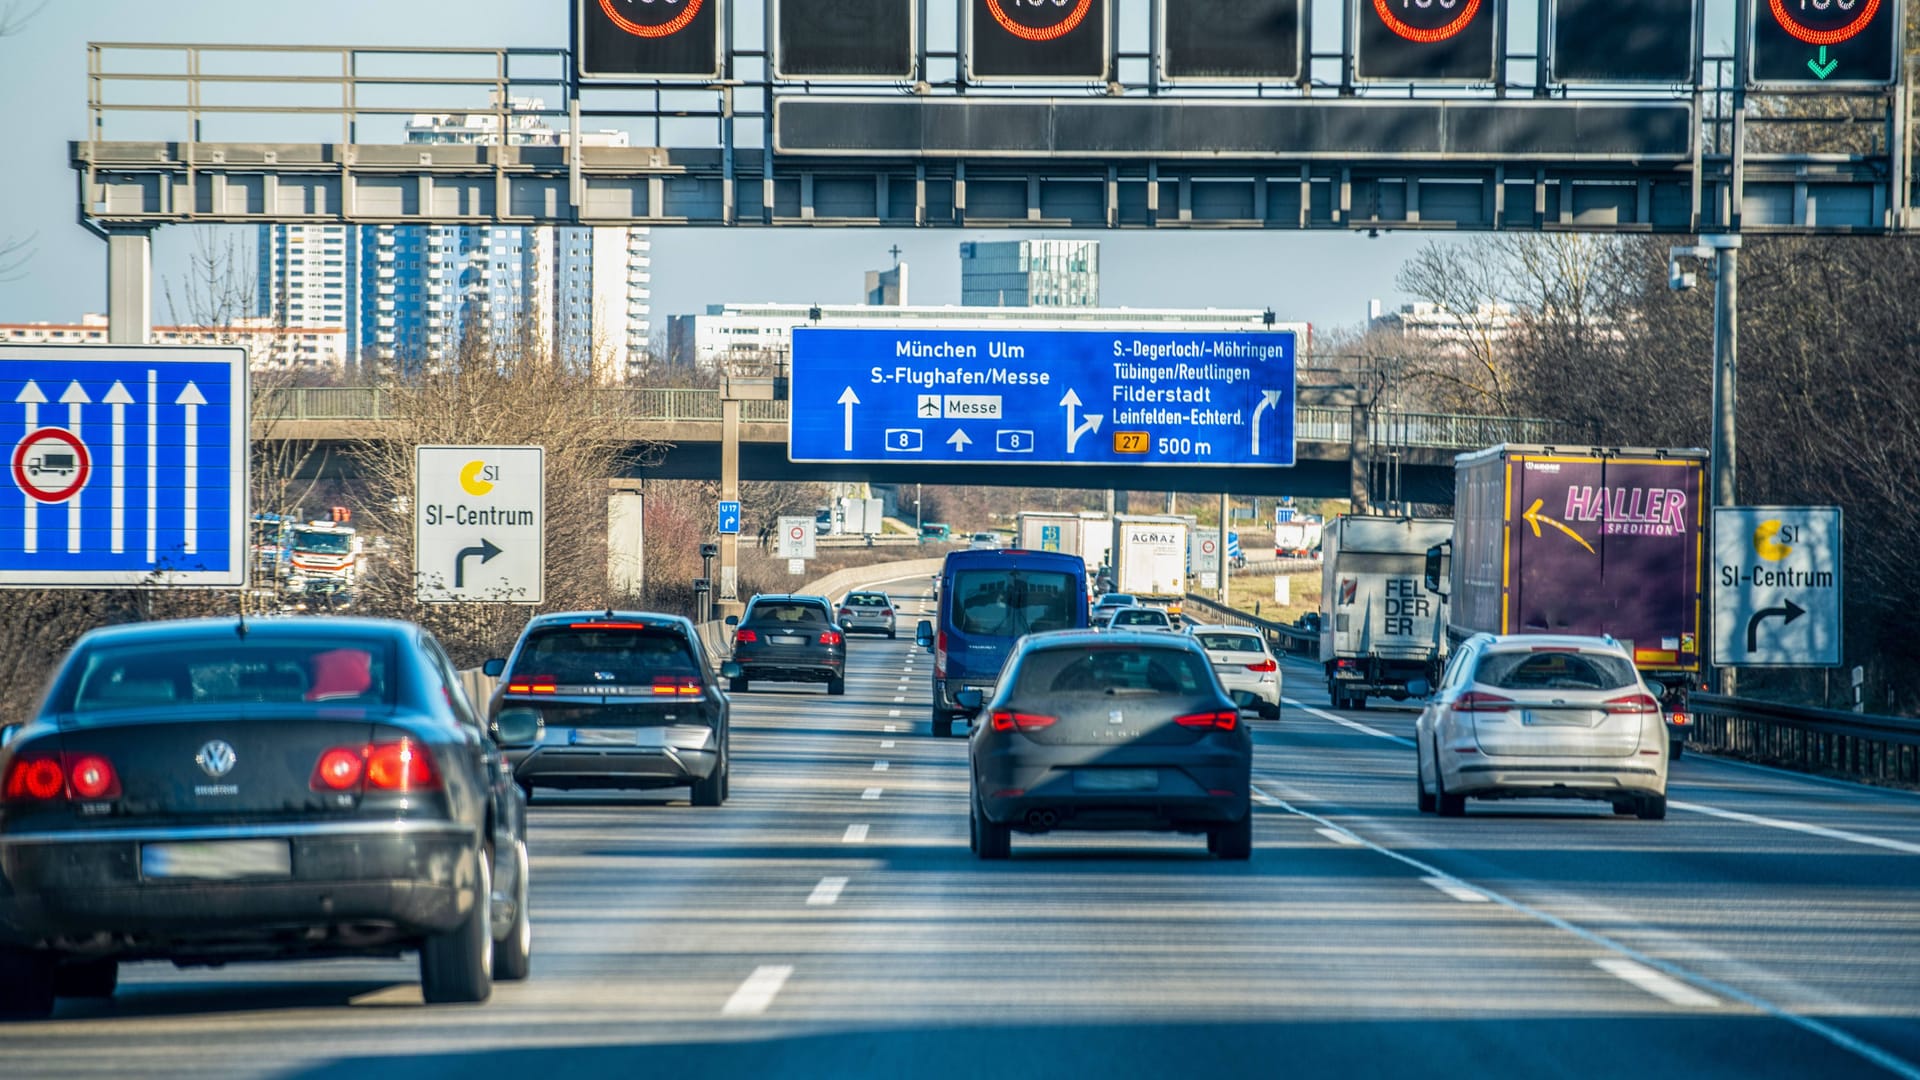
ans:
x=729 y=518
x=1042 y=397
x=126 y=466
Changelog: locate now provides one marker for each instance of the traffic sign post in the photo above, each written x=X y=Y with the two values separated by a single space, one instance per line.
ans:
x=126 y=466
x=1203 y=552
x=796 y=538
x=1777 y=586
x=479 y=530
x=1042 y=397
x=729 y=524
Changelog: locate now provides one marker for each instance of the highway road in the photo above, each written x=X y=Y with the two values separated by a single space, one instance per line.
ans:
x=830 y=921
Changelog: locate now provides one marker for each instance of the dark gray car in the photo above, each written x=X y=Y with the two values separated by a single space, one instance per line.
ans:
x=1121 y=730
x=789 y=639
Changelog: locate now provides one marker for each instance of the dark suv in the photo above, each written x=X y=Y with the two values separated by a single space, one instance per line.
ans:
x=622 y=700
x=789 y=639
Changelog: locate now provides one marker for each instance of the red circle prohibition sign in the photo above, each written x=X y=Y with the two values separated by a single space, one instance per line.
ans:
x=83 y=465
x=1823 y=37
x=1039 y=33
x=1439 y=33
x=666 y=29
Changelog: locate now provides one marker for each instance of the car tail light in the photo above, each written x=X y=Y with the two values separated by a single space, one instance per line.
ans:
x=1679 y=719
x=1631 y=704
x=1264 y=665
x=888 y=612
x=830 y=637
x=1225 y=720
x=45 y=778
x=1343 y=663
x=940 y=655
x=745 y=637
x=91 y=776
x=339 y=770
x=1476 y=702
x=1008 y=721
x=846 y=613
x=677 y=684
x=531 y=684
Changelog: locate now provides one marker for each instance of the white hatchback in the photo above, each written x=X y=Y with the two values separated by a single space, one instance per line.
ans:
x=1542 y=716
x=1242 y=660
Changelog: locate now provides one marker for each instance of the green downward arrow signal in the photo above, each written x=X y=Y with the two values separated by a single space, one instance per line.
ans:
x=1823 y=67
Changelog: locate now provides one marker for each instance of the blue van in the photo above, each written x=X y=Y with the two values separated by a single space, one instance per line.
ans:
x=987 y=601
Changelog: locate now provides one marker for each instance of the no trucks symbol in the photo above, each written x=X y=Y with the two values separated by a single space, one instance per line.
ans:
x=51 y=465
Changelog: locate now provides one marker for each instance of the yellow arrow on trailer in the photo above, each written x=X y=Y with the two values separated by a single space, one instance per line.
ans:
x=1534 y=517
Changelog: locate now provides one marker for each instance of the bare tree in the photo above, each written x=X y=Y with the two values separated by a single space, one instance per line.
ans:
x=15 y=250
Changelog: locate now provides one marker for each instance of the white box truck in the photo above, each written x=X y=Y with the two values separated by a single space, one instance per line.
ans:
x=1087 y=534
x=1380 y=629
x=860 y=517
x=1150 y=558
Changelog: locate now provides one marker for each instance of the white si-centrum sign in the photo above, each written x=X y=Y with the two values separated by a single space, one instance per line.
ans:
x=1777 y=586
x=479 y=530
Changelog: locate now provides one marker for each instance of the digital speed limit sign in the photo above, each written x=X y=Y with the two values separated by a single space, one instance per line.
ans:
x=1425 y=40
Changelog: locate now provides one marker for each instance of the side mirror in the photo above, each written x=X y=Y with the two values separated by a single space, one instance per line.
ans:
x=1436 y=568
x=923 y=635
x=970 y=700
x=517 y=726
x=494 y=668
x=733 y=620
x=731 y=670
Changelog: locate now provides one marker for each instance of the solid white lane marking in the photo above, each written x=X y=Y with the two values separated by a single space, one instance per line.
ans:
x=886 y=744
x=827 y=892
x=1901 y=846
x=1665 y=987
x=880 y=766
x=871 y=793
x=1455 y=888
x=1820 y=1028
x=856 y=834
x=758 y=992
x=1344 y=839
x=1344 y=722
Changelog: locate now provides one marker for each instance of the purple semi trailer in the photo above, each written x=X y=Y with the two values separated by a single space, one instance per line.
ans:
x=1549 y=540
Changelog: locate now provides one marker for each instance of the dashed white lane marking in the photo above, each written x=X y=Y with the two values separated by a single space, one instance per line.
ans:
x=899 y=699
x=856 y=834
x=892 y=712
x=1455 y=889
x=886 y=744
x=758 y=992
x=880 y=766
x=893 y=727
x=871 y=793
x=827 y=892
x=1264 y=799
x=1665 y=987
x=1338 y=837
x=1901 y=846
x=1344 y=722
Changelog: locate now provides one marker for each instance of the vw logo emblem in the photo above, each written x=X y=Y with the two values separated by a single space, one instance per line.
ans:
x=1115 y=717
x=216 y=759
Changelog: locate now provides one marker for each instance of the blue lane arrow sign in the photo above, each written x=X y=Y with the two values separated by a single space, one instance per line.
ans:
x=729 y=518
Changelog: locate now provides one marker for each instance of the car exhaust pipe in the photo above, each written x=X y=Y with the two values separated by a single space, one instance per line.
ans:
x=1041 y=819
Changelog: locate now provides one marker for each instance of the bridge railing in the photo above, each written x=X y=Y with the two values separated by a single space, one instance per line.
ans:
x=674 y=404
x=1879 y=748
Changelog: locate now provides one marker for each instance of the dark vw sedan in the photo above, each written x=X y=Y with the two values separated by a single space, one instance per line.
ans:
x=1117 y=730
x=210 y=790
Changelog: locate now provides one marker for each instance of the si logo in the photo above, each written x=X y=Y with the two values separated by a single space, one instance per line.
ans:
x=1773 y=541
x=477 y=478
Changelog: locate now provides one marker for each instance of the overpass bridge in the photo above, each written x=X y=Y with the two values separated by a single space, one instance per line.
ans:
x=675 y=434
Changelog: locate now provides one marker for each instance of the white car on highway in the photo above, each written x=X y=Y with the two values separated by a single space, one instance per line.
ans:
x=1541 y=716
x=1240 y=657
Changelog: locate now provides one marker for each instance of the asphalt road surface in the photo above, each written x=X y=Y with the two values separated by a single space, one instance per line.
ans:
x=829 y=921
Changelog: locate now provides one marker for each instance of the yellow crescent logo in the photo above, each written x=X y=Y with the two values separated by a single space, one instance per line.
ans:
x=1764 y=544
x=470 y=481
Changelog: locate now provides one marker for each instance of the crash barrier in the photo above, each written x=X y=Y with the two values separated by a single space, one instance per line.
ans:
x=840 y=582
x=1832 y=741
x=1281 y=637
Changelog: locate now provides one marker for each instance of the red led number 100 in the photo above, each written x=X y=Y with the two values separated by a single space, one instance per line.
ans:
x=1427 y=12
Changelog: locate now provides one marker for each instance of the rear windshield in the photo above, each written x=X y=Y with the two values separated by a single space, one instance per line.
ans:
x=616 y=657
x=1556 y=671
x=1116 y=600
x=1010 y=603
x=788 y=611
x=1140 y=618
x=1229 y=642
x=230 y=671
x=873 y=600
x=1114 y=670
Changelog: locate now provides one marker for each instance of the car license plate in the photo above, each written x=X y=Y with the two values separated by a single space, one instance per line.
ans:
x=1557 y=718
x=217 y=860
x=1116 y=779
x=603 y=737
x=788 y=641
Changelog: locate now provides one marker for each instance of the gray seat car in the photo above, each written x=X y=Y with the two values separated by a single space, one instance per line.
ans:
x=1120 y=730
x=867 y=611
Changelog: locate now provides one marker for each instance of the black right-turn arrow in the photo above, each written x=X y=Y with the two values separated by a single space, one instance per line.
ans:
x=487 y=551
x=1792 y=611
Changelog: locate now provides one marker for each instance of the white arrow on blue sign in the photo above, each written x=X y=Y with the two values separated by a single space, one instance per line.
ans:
x=729 y=519
x=126 y=466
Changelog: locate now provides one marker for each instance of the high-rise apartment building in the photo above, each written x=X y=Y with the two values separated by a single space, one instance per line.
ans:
x=409 y=295
x=1030 y=273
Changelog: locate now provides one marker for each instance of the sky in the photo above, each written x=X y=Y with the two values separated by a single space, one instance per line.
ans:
x=1325 y=278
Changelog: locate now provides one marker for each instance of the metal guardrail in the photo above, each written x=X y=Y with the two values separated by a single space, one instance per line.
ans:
x=1867 y=747
x=1281 y=636
x=669 y=405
